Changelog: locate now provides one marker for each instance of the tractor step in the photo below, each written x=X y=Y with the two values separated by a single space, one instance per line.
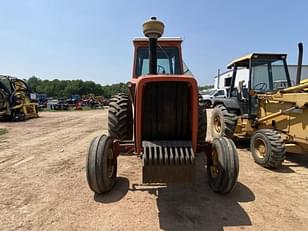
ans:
x=167 y=161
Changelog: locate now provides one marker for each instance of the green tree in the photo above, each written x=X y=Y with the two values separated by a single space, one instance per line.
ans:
x=66 y=88
x=33 y=82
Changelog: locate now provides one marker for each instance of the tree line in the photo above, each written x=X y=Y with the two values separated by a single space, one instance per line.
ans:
x=65 y=88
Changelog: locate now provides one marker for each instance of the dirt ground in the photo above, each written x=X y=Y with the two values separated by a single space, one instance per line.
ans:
x=43 y=186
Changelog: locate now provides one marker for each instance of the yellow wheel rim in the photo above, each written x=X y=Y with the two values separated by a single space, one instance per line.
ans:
x=260 y=148
x=217 y=124
x=110 y=160
x=214 y=168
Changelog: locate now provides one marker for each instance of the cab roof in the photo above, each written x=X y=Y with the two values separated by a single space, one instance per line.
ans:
x=244 y=61
x=163 y=41
x=144 y=39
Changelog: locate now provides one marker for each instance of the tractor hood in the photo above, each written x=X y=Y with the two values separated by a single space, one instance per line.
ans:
x=169 y=104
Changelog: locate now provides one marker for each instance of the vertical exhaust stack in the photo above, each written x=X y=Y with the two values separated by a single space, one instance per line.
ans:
x=153 y=29
x=299 y=63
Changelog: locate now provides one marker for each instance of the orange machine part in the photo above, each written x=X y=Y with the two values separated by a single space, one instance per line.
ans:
x=139 y=84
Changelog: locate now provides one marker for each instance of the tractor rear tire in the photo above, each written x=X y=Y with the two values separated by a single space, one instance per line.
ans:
x=202 y=123
x=267 y=148
x=222 y=165
x=120 y=117
x=101 y=165
x=223 y=122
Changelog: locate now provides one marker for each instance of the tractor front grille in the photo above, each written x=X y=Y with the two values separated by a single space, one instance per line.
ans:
x=167 y=161
x=166 y=111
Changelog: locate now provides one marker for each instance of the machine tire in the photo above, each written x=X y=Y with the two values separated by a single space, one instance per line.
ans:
x=101 y=173
x=222 y=165
x=202 y=123
x=273 y=152
x=120 y=117
x=223 y=122
x=208 y=103
x=18 y=117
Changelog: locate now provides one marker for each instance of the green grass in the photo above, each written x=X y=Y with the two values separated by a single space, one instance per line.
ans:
x=3 y=131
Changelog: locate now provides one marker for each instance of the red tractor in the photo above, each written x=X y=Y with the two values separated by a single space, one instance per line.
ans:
x=161 y=120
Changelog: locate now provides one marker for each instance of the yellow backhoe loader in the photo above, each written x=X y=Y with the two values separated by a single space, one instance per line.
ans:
x=268 y=109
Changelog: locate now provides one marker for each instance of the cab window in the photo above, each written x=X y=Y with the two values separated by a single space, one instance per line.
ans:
x=269 y=75
x=167 y=61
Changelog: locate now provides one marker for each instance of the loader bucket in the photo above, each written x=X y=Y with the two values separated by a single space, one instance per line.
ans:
x=168 y=162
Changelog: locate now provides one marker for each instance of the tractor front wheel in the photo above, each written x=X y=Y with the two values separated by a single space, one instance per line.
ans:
x=267 y=148
x=222 y=165
x=101 y=165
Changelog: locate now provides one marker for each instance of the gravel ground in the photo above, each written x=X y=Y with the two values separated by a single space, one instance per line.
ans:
x=43 y=186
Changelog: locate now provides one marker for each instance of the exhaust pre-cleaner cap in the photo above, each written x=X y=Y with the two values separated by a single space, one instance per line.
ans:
x=153 y=28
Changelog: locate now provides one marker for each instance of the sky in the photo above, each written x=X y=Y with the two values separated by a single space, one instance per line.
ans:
x=92 y=40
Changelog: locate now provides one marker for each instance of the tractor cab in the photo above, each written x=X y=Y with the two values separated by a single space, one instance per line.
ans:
x=268 y=73
x=169 y=57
